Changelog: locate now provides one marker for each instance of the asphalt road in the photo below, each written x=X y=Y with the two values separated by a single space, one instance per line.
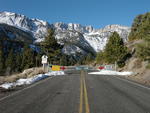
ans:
x=78 y=92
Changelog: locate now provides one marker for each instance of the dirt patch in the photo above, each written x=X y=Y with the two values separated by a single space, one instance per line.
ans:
x=142 y=74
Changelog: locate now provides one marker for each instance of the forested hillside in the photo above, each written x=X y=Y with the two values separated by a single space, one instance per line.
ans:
x=16 y=56
x=141 y=31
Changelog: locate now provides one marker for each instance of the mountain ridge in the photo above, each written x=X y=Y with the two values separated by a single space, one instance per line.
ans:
x=82 y=39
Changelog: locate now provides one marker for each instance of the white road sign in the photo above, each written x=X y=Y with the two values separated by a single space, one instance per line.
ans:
x=44 y=59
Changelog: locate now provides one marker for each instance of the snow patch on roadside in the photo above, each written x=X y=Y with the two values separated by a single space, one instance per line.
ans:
x=110 y=72
x=31 y=80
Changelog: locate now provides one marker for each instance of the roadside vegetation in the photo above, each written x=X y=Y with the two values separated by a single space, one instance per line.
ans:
x=114 y=52
x=141 y=31
x=16 y=56
x=139 y=45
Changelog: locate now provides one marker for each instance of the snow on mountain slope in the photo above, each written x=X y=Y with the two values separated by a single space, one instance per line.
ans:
x=94 y=38
x=99 y=38
x=73 y=27
x=97 y=41
x=74 y=37
x=72 y=49
x=72 y=34
x=38 y=28
x=15 y=34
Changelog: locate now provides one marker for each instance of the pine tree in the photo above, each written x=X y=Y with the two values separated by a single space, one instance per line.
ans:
x=18 y=62
x=38 y=59
x=51 y=48
x=10 y=62
x=89 y=58
x=28 y=59
x=115 y=51
x=140 y=27
x=50 y=40
x=63 y=60
x=100 y=58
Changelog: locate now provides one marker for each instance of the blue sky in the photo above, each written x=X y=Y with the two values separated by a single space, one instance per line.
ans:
x=97 y=13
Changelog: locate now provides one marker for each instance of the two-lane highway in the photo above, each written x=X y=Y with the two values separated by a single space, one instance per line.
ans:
x=78 y=92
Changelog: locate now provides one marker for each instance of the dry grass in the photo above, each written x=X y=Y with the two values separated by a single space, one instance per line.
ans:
x=25 y=74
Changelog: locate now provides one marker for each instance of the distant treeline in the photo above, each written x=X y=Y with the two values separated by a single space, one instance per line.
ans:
x=15 y=56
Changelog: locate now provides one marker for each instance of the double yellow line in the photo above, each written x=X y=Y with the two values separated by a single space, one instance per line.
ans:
x=83 y=94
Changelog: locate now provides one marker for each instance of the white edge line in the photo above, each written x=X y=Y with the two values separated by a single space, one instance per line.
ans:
x=28 y=87
x=134 y=83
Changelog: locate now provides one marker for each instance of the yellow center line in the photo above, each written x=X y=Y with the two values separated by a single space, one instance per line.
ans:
x=87 y=109
x=83 y=90
x=81 y=94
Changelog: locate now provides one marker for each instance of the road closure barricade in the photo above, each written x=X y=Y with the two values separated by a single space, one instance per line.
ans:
x=55 y=68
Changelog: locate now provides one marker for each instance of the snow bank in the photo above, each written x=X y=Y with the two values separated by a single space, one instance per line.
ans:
x=31 y=80
x=110 y=72
x=7 y=85
x=55 y=73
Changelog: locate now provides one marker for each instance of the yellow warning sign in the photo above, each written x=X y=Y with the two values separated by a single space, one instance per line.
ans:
x=55 y=68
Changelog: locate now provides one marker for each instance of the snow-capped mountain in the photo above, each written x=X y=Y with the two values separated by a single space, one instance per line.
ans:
x=73 y=27
x=94 y=40
x=98 y=38
x=36 y=27
x=15 y=34
x=75 y=37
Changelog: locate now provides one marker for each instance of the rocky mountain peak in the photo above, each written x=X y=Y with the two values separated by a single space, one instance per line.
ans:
x=38 y=28
x=83 y=38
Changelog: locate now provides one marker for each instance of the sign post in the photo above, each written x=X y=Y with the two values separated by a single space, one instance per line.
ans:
x=44 y=62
